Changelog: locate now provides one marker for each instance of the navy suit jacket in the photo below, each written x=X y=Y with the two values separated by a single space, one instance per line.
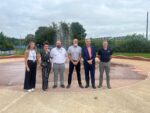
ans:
x=85 y=55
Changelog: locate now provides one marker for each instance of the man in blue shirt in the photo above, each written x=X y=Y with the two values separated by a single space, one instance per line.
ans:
x=104 y=55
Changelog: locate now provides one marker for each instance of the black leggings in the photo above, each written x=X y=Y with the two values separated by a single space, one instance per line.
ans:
x=30 y=76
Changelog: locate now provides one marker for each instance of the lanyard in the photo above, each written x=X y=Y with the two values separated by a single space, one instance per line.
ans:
x=33 y=55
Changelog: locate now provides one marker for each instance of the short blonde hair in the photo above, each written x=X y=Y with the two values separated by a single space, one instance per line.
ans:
x=105 y=41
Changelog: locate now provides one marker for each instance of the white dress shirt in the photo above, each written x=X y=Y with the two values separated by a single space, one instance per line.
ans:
x=58 y=55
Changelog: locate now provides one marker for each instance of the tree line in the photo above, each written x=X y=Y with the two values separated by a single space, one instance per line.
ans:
x=63 y=31
x=67 y=31
x=8 y=43
x=135 y=43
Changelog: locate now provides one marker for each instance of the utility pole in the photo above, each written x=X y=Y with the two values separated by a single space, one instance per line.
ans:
x=147 y=26
x=20 y=41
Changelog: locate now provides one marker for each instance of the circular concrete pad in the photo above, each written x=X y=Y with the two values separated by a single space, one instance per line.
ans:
x=12 y=76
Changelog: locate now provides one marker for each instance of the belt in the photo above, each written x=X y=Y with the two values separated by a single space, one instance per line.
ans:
x=32 y=60
x=59 y=63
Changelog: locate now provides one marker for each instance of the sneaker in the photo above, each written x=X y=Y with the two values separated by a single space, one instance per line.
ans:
x=29 y=90
x=32 y=89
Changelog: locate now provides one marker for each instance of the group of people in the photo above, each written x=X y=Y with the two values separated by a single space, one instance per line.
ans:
x=56 y=59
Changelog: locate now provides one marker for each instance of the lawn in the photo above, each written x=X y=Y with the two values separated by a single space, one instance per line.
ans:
x=146 y=55
x=20 y=51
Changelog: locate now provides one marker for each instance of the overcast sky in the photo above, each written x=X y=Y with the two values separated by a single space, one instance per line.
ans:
x=99 y=17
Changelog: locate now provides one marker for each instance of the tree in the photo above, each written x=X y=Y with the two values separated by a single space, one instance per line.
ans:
x=77 y=31
x=29 y=38
x=5 y=44
x=45 y=34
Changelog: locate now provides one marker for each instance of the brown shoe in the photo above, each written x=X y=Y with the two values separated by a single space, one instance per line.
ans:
x=99 y=86
x=109 y=87
x=87 y=86
x=62 y=86
x=81 y=86
x=55 y=86
x=94 y=87
x=68 y=86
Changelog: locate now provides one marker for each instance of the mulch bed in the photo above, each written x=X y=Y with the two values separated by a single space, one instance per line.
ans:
x=132 y=58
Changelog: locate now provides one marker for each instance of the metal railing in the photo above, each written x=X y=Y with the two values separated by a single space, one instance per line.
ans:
x=8 y=52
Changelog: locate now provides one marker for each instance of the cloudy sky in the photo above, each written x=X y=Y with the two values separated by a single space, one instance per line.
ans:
x=99 y=17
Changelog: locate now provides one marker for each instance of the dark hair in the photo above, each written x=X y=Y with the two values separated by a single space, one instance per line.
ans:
x=45 y=43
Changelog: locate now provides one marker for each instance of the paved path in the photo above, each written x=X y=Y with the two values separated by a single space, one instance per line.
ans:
x=133 y=98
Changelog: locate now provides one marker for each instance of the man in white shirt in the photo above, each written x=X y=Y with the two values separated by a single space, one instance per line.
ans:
x=58 y=55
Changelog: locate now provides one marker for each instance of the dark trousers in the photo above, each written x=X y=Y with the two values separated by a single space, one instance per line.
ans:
x=71 y=68
x=30 y=76
x=89 y=70
x=45 y=76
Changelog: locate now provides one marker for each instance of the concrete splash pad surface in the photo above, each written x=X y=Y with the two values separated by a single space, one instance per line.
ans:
x=12 y=76
x=132 y=98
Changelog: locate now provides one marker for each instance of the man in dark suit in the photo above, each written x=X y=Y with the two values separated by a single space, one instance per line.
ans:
x=89 y=54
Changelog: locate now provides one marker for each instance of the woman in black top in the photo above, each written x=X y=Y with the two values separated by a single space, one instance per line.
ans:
x=46 y=65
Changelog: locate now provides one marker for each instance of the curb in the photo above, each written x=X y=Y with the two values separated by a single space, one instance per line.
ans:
x=13 y=56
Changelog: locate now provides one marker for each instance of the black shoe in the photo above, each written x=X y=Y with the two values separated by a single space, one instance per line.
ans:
x=68 y=86
x=94 y=87
x=44 y=89
x=62 y=86
x=109 y=87
x=81 y=86
x=55 y=86
x=86 y=86
x=99 y=86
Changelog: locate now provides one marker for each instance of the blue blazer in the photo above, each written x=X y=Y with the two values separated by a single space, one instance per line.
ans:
x=85 y=54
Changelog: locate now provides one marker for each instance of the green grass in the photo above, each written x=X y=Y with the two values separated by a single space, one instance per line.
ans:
x=146 y=55
x=20 y=52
